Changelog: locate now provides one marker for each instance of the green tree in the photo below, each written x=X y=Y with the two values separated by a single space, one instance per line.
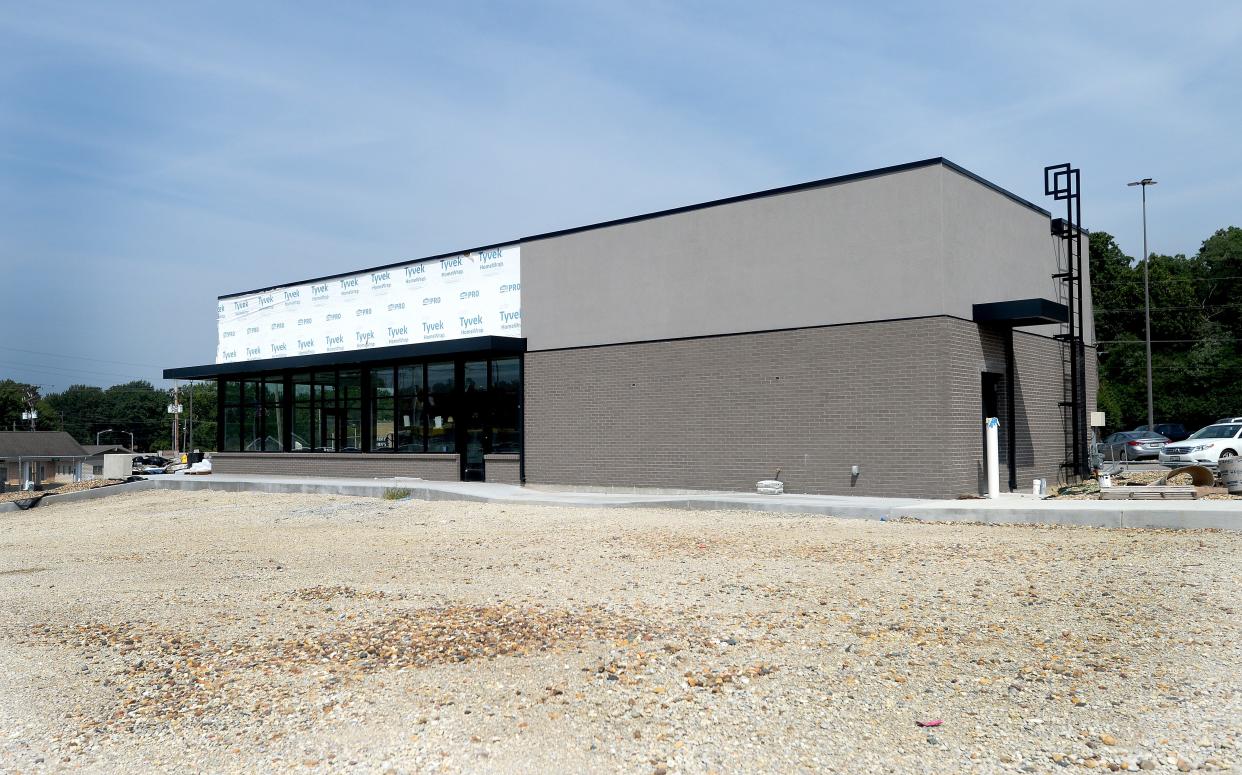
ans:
x=80 y=409
x=139 y=408
x=12 y=403
x=1196 y=322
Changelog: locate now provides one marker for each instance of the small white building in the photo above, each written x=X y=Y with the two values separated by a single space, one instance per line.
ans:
x=39 y=457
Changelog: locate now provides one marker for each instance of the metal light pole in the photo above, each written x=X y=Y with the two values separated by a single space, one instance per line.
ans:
x=1151 y=414
x=97 y=435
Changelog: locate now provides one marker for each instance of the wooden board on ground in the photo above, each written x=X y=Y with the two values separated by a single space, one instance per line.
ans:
x=1150 y=492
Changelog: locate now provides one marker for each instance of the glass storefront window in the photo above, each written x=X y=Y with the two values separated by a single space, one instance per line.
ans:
x=350 y=385
x=351 y=438
x=253 y=428
x=303 y=439
x=383 y=427
x=410 y=379
x=273 y=415
x=441 y=389
x=473 y=415
x=232 y=428
x=383 y=430
x=506 y=396
x=301 y=387
x=472 y=407
x=325 y=386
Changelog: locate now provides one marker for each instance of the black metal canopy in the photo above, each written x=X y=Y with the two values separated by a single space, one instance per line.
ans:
x=476 y=344
x=1021 y=312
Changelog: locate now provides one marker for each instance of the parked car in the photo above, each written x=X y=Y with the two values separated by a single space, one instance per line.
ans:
x=1170 y=430
x=1225 y=420
x=1205 y=447
x=1132 y=445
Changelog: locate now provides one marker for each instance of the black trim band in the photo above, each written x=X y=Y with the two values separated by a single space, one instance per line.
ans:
x=475 y=344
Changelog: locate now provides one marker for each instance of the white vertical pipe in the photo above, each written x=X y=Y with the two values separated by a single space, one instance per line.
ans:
x=993 y=456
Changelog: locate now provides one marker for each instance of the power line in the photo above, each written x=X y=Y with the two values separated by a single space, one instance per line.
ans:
x=1095 y=282
x=50 y=369
x=77 y=357
x=1172 y=309
x=1165 y=341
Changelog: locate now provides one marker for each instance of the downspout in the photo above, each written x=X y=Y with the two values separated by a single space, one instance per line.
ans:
x=1011 y=411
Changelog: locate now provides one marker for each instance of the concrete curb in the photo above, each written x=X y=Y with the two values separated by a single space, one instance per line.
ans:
x=84 y=495
x=1197 y=515
x=305 y=488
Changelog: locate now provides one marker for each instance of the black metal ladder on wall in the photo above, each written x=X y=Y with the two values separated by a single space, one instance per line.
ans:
x=1061 y=181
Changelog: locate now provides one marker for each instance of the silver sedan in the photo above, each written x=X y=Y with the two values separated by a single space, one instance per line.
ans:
x=1132 y=445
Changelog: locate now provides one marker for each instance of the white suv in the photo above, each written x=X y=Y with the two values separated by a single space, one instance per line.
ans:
x=1205 y=447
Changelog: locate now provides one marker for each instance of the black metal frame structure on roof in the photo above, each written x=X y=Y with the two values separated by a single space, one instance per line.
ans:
x=1063 y=183
x=475 y=344
x=873 y=173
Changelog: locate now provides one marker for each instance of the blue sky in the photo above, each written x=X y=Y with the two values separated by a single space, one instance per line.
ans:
x=154 y=156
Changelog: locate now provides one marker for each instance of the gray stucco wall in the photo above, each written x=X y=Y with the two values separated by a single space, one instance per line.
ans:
x=926 y=241
x=901 y=399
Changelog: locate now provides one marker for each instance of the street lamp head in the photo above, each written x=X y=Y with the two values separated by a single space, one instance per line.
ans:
x=1143 y=182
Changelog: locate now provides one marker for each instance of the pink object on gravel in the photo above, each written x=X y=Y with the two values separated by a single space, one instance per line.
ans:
x=935 y=723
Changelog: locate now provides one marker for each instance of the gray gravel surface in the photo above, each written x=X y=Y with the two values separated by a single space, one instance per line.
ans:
x=204 y=631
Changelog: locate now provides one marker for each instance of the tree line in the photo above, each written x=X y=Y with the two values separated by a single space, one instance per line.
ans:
x=1196 y=329
x=135 y=407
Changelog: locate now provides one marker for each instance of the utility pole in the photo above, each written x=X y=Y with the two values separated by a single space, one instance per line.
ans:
x=1151 y=414
x=32 y=398
x=175 y=410
x=189 y=430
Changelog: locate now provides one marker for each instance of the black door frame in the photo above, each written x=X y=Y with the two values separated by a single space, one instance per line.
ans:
x=461 y=430
x=335 y=414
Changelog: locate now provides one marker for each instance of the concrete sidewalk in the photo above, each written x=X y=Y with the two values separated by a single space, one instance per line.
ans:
x=1011 y=509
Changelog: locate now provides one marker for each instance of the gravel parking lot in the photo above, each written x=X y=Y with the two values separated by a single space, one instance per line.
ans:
x=240 y=632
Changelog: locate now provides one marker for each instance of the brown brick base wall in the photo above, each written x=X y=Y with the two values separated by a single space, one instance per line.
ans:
x=438 y=467
x=505 y=469
x=901 y=399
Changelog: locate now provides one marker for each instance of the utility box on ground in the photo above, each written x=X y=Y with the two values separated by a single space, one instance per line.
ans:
x=118 y=466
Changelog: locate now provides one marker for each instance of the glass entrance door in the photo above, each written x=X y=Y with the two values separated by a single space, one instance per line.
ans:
x=474 y=443
x=327 y=431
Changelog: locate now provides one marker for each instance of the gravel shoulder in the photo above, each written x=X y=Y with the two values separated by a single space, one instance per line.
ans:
x=175 y=630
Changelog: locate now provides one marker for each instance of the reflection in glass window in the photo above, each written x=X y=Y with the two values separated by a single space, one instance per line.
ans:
x=506 y=397
x=325 y=387
x=273 y=415
x=303 y=439
x=383 y=399
x=253 y=427
x=441 y=382
x=232 y=428
x=384 y=431
x=350 y=385
x=410 y=403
